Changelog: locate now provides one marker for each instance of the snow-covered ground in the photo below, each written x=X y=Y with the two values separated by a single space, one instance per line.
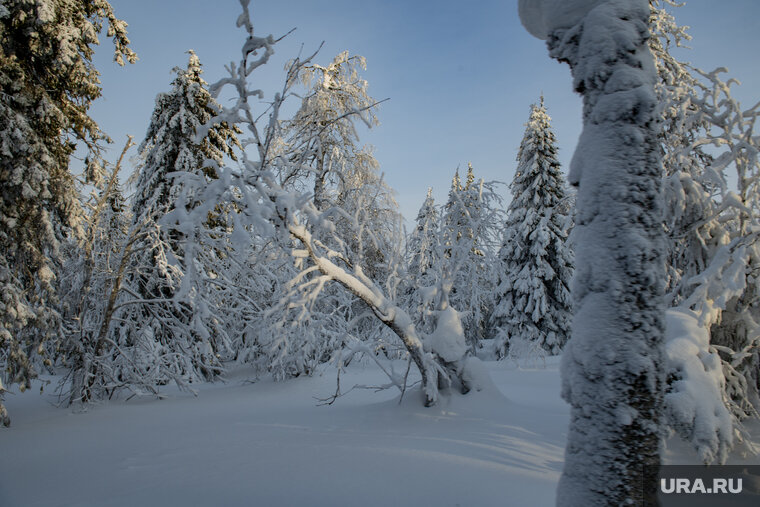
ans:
x=270 y=444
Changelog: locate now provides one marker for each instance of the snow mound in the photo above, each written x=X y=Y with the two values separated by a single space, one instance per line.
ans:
x=694 y=395
x=448 y=338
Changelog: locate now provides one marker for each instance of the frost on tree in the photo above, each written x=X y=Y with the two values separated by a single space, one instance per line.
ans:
x=47 y=82
x=468 y=236
x=711 y=225
x=611 y=369
x=323 y=148
x=423 y=260
x=290 y=215
x=532 y=298
x=181 y=152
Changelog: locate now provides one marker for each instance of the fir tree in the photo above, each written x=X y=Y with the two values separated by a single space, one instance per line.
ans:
x=181 y=138
x=423 y=258
x=182 y=150
x=532 y=304
x=47 y=83
x=422 y=246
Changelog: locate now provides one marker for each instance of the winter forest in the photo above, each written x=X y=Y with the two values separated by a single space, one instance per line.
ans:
x=231 y=309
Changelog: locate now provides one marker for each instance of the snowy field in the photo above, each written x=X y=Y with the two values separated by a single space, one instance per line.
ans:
x=271 y=444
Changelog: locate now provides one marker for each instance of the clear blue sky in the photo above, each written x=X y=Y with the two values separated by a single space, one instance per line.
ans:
x=460 y=75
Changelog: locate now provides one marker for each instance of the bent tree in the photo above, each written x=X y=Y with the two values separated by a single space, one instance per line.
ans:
x=321 y=251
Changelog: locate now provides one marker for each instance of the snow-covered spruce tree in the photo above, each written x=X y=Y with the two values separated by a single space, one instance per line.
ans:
x=423 y=254
x=287 y=214
x=532 y=299
x=612 y=365
x=181 y=151
x=181 y=138
x=422 y=245
x=469 y=240
x=47 y=83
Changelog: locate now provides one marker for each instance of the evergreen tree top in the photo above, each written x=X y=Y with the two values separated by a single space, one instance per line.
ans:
x=470 y=176
x=456 y=183
x=538 y=180
x=181 y=138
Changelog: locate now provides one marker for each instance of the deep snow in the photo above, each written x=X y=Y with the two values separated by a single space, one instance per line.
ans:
x=270 y=444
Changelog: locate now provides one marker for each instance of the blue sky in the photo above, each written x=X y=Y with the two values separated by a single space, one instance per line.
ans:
x=460 y=76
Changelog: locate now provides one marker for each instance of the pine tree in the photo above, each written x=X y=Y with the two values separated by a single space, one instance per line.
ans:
x=47 y=83
x=532 y=304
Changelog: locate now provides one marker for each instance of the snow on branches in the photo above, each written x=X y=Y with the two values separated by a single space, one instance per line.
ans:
x=533 y=293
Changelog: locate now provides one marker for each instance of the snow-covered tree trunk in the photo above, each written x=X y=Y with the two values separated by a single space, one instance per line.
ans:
x=611 y=368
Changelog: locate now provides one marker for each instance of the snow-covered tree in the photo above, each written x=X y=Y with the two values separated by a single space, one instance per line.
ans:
x=469 y=239
x=612 y=365
x=104 y=345
x=288 y=214
x=183 y=144
x=711 y=248
x=694 y=232
x=724 y=294
x=423 y=260
x=322 y=145
x=422 y=246
x=181 y=138
x=47 y=83
x=92 y=267
x=532 y=299
x=322 y=135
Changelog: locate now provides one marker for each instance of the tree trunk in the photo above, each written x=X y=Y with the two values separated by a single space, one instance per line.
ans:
x=612 y=366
